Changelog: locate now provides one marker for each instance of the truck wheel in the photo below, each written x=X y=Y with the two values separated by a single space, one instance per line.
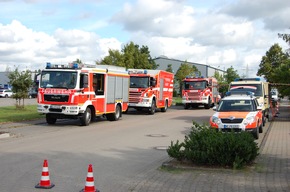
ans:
x=186 y=106
x=152 y=108
x=164 y=109
x=256 y=133
x=86 y=117
x=208 y=105
x=50 y=120
x=115 y=116
x=261 y=128
x=264 y=119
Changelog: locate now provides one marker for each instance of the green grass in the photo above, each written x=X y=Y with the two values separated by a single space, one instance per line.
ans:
x=11 y=114
x=177 y=100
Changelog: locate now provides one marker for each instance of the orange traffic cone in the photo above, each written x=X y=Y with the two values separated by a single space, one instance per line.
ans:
x=44 y=180
x=90 y=185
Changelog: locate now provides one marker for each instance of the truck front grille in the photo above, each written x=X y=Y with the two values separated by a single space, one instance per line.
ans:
x=134 y=97
x=56 y=98
x=194 y=96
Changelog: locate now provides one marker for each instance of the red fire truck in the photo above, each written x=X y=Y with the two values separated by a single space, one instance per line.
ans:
x=83 y=92
x=199 y=91
x=150 y=89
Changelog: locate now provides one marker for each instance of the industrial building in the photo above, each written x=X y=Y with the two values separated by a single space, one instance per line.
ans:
x=205 y=70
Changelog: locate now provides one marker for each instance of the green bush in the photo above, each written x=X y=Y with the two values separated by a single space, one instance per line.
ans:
x=206 y=146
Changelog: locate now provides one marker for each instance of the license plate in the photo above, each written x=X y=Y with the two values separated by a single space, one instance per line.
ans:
x=55 y=106
x=231 y=126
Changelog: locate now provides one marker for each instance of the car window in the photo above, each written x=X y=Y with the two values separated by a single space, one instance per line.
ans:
x=236 y=105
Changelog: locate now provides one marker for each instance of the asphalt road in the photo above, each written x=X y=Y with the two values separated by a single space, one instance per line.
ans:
x=122 y=152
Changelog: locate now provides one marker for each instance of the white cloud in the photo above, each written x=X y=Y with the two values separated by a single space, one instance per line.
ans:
x=164 y=18
x=229 y=33
x=24 y=48
x=274 y=13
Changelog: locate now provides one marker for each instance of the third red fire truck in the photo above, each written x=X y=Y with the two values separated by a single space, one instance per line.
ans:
x=83 y=92
x=150 y=89
x=199 y=91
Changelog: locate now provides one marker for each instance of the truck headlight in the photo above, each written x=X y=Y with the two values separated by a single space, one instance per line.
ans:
x=146 y=100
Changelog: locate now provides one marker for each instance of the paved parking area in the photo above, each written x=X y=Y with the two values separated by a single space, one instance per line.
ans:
x=270 y=173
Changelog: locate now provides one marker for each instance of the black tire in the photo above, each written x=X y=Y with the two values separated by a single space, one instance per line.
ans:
x=6 y=96
x=186 y=106
x=115 y=116
x=256 y=133
x=261 y=128
x=164 y=109
x=50 y=120
x=209 y=103
x=152 y=109
x=93 y=116
x=264 y=119
x=86 y=117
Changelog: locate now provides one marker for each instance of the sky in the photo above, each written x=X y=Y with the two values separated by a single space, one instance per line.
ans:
x=219 y=33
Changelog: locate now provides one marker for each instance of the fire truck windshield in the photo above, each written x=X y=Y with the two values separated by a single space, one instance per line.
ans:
x=196 y=85
x=58 y=79
x=139 y=82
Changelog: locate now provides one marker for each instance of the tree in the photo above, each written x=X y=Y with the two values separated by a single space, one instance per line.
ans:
x=222 y=84
x=184 y=70
x=270 y=63
x=231 y=75
x=224 y=81
x=284 y=69
x=115 y=57
x=169 y=68
x=285 y=37
x=78 y=61
x=131 y=56
x=20 y=82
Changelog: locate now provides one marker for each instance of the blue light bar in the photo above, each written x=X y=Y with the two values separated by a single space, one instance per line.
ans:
x=48 y=65
x=248 y=79
x=75 y=66
x=228 y=93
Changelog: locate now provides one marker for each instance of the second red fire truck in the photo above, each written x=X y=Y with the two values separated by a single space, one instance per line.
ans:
x=150 y=89
x=83 y=92
x=200 y=91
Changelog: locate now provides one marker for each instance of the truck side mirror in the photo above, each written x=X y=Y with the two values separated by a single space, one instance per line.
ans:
x=84 y=81
x=152 y=81
x=209 y=83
